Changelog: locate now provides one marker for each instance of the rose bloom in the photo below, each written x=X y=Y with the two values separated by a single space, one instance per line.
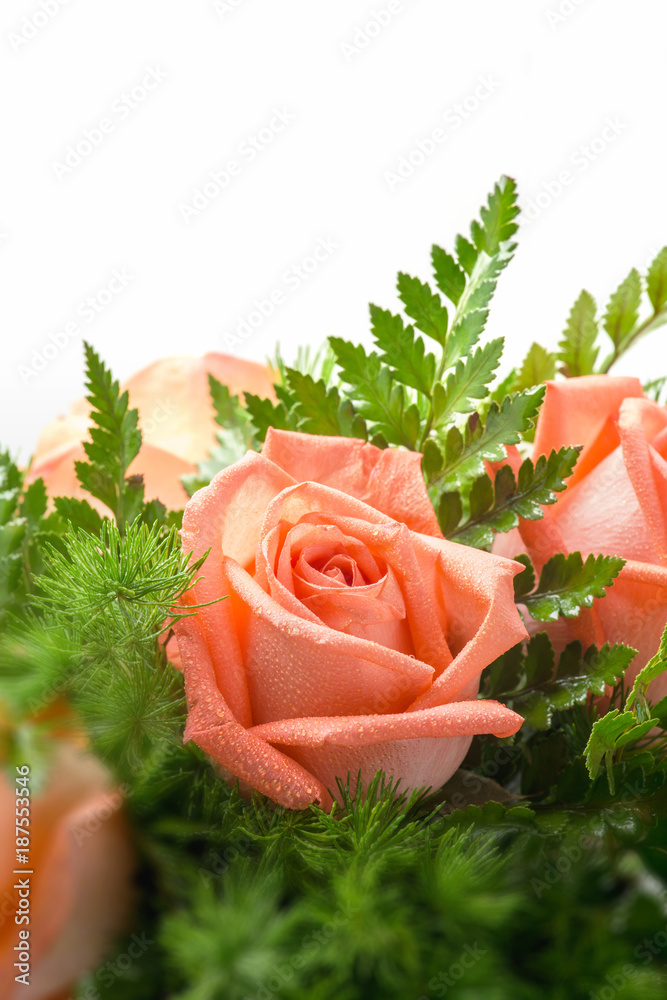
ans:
x=176 y=417
x=353 y=635
x=81 y=886
x=615 y=504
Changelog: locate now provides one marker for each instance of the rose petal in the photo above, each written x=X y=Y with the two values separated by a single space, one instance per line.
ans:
x=281 y=587
x=458 y=718
x=387 y=479
x=393 y=542
x=603 y=514
x=634 y=611
x=578 y=411
x=212 y=726
x=640 y=419
x=483 y=621
x=422 y=748
x=224 y=518
x=298 y=667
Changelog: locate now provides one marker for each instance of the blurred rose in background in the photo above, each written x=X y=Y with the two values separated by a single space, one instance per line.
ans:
x=81 y=887
x=176 y=417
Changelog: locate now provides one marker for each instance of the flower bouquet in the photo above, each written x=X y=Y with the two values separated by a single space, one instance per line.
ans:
x=346 y=678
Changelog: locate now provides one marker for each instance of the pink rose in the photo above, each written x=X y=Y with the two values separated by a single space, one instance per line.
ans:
x=176 y=418
x=80 y=892
x=615 y=504
x=354 y=635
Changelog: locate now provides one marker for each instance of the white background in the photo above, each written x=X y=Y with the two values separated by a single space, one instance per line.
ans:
x=556 y=78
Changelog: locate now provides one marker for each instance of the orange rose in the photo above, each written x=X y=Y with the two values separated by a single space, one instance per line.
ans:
x=615 y=504
x=176 y=417
x=80 y=889
x=353 y=636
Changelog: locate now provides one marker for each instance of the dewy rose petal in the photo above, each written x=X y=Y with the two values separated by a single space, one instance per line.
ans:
x=615 y=504
x=352 y=636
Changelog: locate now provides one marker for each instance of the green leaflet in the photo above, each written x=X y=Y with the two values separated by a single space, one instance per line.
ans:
x=611 y=734
x=568 y=584
x=115 y=440
x=656 y=281
x=379 y=398
x=575 y=678
x=449 y=277
x=577 y=351
x=403 y=351
x=265 y=414
x=79 y=514
x=623 y=309
x=468 y=381
x=497 y=506
x=320 y=410
x=424 y=306
x=539 y=365
x=462 y=454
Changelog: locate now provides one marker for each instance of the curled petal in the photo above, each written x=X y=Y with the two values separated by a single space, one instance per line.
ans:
x=240 y=753
x=424 y=748
x=483 y=620
x=641 y=421
x=225 y=518
x=393 y=542
x=583 y=411
x=299 y=667
x=387 y=479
